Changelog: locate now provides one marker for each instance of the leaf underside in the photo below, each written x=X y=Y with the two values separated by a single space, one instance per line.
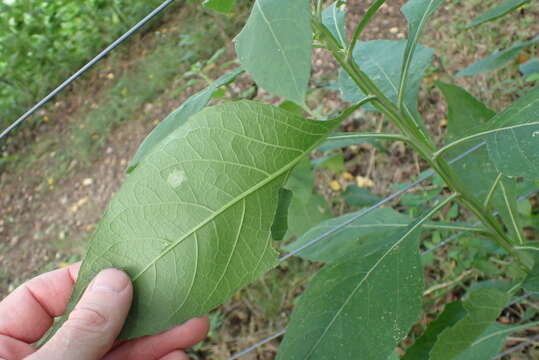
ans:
x=192 y=224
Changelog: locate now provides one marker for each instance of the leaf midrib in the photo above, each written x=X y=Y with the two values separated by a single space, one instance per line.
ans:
x=231 y=203
x=283 y=52
x=358 y=286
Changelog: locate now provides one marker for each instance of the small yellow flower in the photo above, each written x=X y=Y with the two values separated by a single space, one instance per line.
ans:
x=335 y=185
x=364 y=182
x=347 y=176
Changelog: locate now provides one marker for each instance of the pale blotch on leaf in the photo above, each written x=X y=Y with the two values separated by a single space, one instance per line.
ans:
x=536 y=133
x=176 y=178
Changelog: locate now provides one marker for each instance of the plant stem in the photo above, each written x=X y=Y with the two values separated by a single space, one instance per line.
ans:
x=418 y=139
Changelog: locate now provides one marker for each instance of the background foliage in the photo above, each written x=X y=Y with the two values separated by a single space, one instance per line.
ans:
x=41 y=42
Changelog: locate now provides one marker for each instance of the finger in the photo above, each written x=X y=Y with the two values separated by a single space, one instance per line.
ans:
x=13 y=349
x=96 y=321
x=176 y=355
x=27 y=313
x=156 y=346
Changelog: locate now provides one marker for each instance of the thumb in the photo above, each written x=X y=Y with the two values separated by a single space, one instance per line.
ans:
x=96 y=321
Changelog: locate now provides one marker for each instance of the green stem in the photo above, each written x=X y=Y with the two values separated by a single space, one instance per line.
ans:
x=418 y=139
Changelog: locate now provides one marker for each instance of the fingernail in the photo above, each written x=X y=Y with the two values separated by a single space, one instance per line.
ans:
x=111 y=280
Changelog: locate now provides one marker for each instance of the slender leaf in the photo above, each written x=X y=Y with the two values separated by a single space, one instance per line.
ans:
x=530 y=67
x=417 y=13
x=453 y=312
x=497 y=59
x=359 y=305
x=192 y=224
x=275 y=47
x=385 y=71
x=222 y=6
x=333 y=19
x=497 y=12
x=177 y=118
x=483 y=307
x=280 y=222
x=365 y=235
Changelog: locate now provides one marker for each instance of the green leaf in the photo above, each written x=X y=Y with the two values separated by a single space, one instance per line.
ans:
x=466 y=115
x=292 y=107
x=360 y=197
x=531 y=284
x=222 y=6
x=178 y=117
x=307 y=208
x=280 y=221
x=385 y=72
x=497 y=59
x=513 y=137
x=497 y=12
x=530 y=67
x=333 y=19
x=417 y=13
x=366 y=234
x=483 y=307
x=453 y=312
x=193 y=223
x=465 y=112
x=489 y=344
x=359 y=305
x=275 y=47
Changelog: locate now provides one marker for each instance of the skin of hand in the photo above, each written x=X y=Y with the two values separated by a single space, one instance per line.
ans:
x=92 y=327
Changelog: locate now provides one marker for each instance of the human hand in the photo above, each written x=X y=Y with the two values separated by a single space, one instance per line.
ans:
x=92 y=327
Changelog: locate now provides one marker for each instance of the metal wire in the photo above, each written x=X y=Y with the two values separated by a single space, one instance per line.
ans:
x=516 y=348
x=448 y=240
x=366 y=211
x=86 y=67
x=257 y=345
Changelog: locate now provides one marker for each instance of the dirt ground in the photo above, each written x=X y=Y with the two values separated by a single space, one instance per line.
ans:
x=45 y=221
